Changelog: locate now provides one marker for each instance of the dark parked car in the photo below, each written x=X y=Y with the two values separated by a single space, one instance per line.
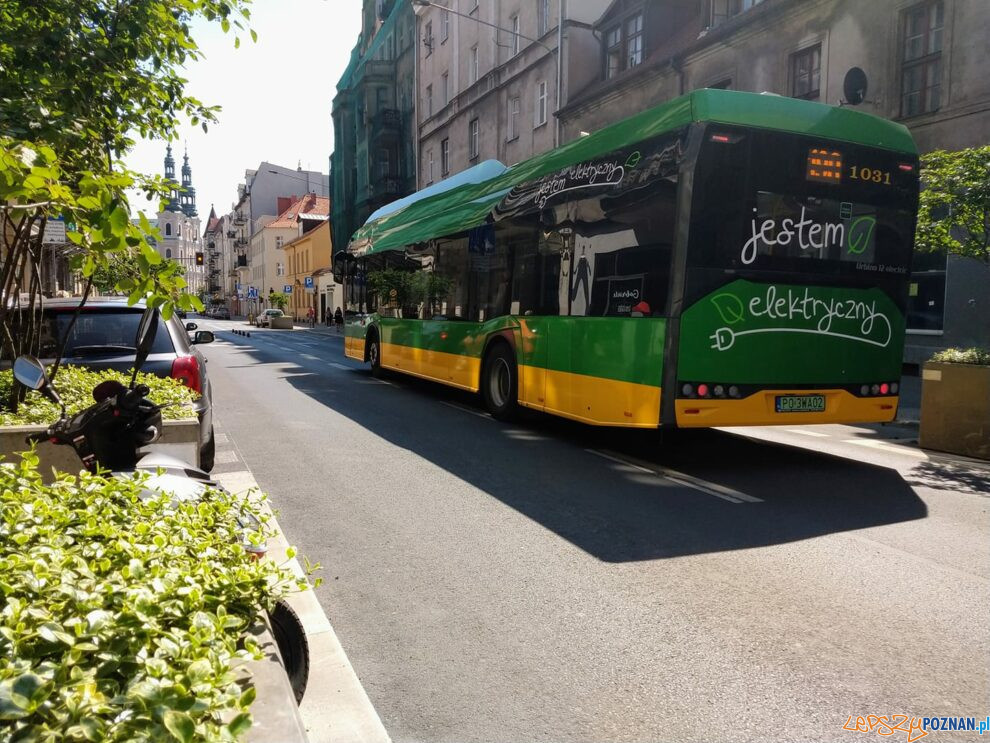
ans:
x=103 y=338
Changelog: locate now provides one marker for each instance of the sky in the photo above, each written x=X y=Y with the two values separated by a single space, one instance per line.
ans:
x=275 y=97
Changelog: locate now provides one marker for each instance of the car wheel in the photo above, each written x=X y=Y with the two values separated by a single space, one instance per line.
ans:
x=500 y=382
x=208 y=453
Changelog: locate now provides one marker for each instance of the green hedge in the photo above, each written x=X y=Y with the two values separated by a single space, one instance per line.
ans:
x=977 y=356
x=123 y=619
x=75 y=385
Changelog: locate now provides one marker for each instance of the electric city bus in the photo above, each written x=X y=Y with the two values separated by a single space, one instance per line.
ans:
x=724 y=259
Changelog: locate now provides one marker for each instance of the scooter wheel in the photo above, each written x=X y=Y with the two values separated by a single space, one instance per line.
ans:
x=292 y=646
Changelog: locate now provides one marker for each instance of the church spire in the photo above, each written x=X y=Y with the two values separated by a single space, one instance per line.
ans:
x=173 y=194
x=188 y=200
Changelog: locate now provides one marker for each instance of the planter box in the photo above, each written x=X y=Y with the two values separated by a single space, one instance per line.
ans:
x=179 y=439
x=955 y=408
x=281 y=323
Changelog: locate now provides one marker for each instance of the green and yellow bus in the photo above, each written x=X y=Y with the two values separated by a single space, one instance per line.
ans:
x=723 y=259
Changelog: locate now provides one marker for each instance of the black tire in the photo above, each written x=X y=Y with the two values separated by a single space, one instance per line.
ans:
x=375 y=354
x=500 y=382
x=292 y=646
x=208 y=453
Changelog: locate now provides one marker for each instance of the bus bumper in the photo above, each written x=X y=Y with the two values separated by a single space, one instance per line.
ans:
x=759 y=410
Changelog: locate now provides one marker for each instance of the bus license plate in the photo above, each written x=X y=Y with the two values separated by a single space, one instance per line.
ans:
x=800 y=403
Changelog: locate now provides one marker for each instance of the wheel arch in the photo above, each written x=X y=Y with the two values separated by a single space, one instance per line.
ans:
x=494 y=339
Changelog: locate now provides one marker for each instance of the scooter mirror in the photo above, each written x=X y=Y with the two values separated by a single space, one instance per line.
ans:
x=30 y=372
x=145 y=339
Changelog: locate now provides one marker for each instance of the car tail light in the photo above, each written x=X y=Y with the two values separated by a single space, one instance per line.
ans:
x=186 y=370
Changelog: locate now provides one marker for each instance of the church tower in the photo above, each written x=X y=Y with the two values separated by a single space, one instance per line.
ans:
x=188 y=199
x=173 y=194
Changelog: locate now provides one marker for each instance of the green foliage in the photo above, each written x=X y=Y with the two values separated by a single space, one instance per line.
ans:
x=430 y=287
x=954 y=210
x=75 y=386
x=278 y=300
x=35 y=187
x=122 y=617
x=393 y=287
x=979 y=356
x=86 y=76
x=124 y=270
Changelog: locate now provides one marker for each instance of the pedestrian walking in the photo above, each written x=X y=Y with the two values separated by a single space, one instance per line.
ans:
x=338 y=319
x=311 y=317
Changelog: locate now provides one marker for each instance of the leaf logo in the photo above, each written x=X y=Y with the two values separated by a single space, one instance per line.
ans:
x=633 y=160
x=730 y=308
x=860 y=232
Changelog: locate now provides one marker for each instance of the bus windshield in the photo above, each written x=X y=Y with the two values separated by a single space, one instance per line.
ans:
x=768 y=203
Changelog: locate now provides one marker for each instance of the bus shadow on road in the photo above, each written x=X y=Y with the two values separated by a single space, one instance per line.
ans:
x=551 y=471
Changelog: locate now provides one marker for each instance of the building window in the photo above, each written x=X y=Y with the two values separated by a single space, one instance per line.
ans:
x=473 y=132
x=384 y=163
x=613 y=52
x=513 y=118
x=279 y=269
x=543 y=16
x=921 y=86
x=806 y=73
x=444 y=25
x=623 y=45
x=473 y=69
x=514 y=41
x=168 y=252
x=540 y=115
x=429 y=100
x=722 y=10
x=444 y=156
x=278 y=242
x=429 y=166
x=168 y=229
x=428 y=37
x=634 y=40
x=445 y=88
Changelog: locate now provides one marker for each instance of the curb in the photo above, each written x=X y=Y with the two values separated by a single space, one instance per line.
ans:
x=336 y=707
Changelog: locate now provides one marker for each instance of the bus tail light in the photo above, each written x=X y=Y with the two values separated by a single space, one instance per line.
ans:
x=733 y=391
x=906 y=167
x=719 y=390
x=894 y=387
x=687 y=390
x=702 y=390
x=884 y=388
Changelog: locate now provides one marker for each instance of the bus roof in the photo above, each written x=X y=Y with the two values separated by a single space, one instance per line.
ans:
x=470 y=205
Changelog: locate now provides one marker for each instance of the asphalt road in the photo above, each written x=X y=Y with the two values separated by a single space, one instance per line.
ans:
x=546 y=581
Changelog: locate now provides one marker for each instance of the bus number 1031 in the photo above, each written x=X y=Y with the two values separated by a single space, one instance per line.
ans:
x=874 y=175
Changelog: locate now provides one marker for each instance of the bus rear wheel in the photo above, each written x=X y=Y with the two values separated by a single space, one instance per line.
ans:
x=375 y=354
x=500 y=382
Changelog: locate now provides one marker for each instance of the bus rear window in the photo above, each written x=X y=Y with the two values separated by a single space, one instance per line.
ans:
x=768 y=201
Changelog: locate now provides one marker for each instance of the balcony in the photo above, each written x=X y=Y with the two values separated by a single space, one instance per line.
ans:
x=239 y=218
x=386 y=186
x=386 y=123
x=241 y=242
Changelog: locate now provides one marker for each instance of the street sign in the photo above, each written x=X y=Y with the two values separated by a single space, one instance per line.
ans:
x=308 y=282
x=287 y=289
x=54 y=232
x=252 y=292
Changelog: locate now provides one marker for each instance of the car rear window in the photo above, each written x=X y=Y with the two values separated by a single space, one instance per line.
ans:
x=98 y=331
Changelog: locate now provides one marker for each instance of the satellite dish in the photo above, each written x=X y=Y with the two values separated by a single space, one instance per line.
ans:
x=854 y=86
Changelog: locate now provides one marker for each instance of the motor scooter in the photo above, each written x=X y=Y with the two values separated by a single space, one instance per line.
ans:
x=110 y=435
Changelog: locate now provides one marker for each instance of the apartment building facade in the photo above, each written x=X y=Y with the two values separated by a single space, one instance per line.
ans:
x=307 y=258
x=492 y=73
x=373 y=161
x=923 y=62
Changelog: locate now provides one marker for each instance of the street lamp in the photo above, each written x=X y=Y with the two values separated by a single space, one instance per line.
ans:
x=556 y=52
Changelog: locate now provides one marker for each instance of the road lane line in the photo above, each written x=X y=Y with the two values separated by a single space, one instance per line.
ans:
x=805 y=432
x=310 y=356
x=884 y=446
x=710 y=488
x=623 y=462
x=345 y=367
x=467 y=410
